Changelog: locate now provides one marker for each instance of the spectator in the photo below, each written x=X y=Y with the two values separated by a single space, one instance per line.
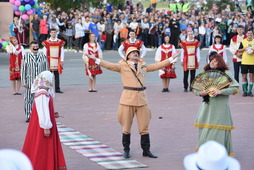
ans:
x=35 y=26
x=11 y=159
x=79 y=35
x=43 y=29
x=69 y=34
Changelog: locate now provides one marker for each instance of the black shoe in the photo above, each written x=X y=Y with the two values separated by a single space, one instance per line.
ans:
x=250 y=94
x=27 y=120
x=59 y=91
x=185 y=90
x=244 y=94
x=167 y=90
x=149 y=154
x=164 y=90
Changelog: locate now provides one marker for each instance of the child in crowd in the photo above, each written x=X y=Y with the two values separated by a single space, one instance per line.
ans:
x=208 y=36
x=69 y=34
x=182 y=36
x=103 y=39
x=123 y=33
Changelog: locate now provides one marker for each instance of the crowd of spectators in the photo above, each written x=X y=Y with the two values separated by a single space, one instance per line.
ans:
x=111 y=24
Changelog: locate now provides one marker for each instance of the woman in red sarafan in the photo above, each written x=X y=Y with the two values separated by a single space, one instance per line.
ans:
x=164 y=52
x=16 y=51
x=42 y=144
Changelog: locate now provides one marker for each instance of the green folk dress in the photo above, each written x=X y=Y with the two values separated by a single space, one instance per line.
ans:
x=214 y=118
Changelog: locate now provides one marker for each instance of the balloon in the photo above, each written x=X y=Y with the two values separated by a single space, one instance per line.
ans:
x=32 y=2
x=17 y=12
x=28 y=7
x=17 y=3
x=25 y=17
x=23 y=3
x=15 y=8
x=5 y=43
x=27 y=1
x=1 y=45
x=30 y=12
x=21 y=0
x=35 y=6
x=1 y=41
x=12 y=2
x=21 y=8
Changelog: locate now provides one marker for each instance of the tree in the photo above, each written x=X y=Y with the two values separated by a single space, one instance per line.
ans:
x=220 y=4
x=68 y=4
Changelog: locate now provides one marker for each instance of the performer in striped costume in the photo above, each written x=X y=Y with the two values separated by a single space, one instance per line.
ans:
x=33 y=63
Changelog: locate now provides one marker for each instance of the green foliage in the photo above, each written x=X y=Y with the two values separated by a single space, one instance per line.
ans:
x=68 y=4
x=65 y=5
x=220 y=4
x=116 y=2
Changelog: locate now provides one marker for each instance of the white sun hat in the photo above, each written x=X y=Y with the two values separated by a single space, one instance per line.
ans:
x=11 y=159
x=211 y=156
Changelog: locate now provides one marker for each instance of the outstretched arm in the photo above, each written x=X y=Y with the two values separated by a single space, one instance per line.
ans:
x=159 y=65
x=105 y=64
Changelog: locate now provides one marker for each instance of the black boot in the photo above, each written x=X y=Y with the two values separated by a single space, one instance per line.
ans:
x=145 y=145
x=126 y=145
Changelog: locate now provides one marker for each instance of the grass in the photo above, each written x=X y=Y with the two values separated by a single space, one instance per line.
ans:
x=159 y=4
x=164 y=5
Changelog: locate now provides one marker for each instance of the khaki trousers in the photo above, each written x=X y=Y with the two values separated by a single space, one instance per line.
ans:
x=126 y=114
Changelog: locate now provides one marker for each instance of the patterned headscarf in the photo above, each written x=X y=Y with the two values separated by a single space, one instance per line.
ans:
x=43 y=81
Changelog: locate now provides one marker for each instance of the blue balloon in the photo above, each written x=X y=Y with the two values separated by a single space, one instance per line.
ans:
x=28 y=7
x=21 y=0
x=15 y=8
x=32 y=2
x=1 y=45
x=27 y=1
x=23 y=3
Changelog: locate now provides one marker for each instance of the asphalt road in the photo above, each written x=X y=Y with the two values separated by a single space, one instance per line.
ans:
x=94 y=114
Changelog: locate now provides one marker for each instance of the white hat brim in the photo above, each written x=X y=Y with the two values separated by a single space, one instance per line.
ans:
x=190 y=162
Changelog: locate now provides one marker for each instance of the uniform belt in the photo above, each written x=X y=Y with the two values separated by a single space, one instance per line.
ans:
x=134 y=88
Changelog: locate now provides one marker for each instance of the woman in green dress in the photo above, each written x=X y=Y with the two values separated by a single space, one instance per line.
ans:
x=214 y=117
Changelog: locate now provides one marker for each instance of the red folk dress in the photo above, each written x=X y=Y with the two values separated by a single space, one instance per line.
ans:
x=126 y=43
x=45 y=153
x=15 y=63
x=92 y=66
x=165 y=52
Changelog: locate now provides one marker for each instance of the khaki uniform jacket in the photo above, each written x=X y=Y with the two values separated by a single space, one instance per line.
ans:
x=131 y=97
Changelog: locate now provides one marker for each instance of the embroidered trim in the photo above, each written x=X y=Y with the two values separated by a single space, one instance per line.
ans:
x=237 y=91
x=211 y=126
x=41 y=93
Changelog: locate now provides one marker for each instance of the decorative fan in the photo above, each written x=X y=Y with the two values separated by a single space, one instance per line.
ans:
x=211 y=80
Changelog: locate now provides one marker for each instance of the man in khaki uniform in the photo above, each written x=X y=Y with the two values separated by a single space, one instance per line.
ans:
x=133 y=100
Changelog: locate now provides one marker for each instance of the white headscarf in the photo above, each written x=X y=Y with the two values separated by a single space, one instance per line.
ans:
x=43 y=81
x=11 y=159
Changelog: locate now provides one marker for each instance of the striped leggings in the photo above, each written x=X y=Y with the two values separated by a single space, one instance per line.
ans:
x=28 y=102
